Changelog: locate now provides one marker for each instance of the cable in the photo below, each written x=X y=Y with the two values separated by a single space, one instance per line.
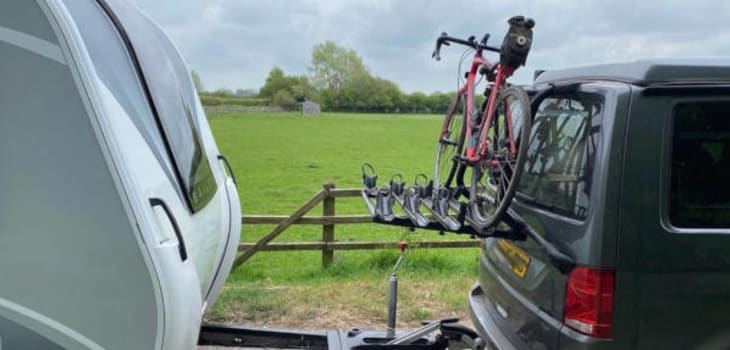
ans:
x=459 y=76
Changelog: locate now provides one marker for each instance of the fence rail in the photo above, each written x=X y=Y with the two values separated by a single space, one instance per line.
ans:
x=328 y=221
x=307 y=220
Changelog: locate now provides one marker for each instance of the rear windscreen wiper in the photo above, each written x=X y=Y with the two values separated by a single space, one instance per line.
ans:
x=533 y=201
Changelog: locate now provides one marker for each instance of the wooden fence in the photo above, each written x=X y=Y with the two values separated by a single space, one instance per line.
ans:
x=328 y=220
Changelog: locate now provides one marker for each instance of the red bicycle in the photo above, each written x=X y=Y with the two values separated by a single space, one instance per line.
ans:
x=491 y=141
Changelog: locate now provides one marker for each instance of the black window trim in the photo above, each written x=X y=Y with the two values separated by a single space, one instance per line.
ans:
x=148 y=95
x=666 y=165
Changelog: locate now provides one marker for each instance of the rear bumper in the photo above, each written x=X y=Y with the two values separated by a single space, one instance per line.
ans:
x=482 y=315
x=484 y=322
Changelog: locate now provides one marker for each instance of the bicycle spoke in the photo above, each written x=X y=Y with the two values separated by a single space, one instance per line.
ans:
x=496 y=188
x=509 y=163
x=505 y=179
x=449 y=146
x=498 y=195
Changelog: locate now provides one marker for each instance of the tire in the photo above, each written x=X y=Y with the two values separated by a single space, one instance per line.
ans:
x=449 y=146
x=493 y=186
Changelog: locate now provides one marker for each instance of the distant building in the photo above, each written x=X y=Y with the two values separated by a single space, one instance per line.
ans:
x=310 y=108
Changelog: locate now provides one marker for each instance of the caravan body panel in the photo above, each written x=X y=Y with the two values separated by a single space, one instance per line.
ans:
x=103 y=241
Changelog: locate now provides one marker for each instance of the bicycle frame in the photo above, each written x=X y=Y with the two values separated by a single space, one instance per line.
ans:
x=477 y=148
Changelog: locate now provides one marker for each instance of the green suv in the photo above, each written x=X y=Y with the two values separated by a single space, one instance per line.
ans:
x=627 y=173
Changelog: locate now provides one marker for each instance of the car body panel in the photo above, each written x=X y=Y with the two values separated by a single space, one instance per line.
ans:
x=686 y=271
x=529 y=303
x=64 y=222
x=672 y=284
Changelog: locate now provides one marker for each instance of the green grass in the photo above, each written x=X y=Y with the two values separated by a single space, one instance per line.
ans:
x=280 y=161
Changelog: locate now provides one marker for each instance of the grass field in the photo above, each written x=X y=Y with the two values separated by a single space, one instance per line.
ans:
x=281 y=160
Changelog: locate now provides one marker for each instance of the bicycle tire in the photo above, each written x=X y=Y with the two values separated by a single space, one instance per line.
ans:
x=487 y=209
x=445 y=164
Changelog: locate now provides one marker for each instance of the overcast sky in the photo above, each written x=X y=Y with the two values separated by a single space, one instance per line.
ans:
x=235 y=43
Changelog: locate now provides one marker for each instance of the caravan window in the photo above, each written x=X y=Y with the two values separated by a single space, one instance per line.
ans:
x=174 y=99
x=96 y=30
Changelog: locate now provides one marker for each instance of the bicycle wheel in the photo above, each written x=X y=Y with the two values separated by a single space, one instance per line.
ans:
x=450 y=144
x=495 y=178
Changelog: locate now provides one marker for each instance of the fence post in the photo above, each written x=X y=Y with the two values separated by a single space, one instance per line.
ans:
x=328 y=230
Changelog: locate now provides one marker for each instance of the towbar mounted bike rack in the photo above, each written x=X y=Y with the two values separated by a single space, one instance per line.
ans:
x=448 y=214
x=445 y=212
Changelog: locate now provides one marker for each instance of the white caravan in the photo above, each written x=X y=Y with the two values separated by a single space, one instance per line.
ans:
x=118 y=220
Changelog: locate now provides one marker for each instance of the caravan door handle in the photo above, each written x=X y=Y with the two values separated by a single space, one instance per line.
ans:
x=156 y=202
x=228 y=166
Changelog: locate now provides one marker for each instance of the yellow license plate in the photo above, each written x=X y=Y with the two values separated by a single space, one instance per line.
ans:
x=518 y=260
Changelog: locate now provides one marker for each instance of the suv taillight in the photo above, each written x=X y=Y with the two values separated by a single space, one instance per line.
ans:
x=589 y=301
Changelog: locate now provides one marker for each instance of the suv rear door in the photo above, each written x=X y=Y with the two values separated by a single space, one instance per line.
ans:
x=561 y=197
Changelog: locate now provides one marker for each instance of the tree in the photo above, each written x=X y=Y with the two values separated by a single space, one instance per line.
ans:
x=274 y=82
x=224 y=93
x=390 y=95
x=439 y=102
x=248 y=93
x=297 y=86
x=284 y=99
x=302 y=89
x=345 y=83
x=196 y=81
x=417 y=102
x=333 y=65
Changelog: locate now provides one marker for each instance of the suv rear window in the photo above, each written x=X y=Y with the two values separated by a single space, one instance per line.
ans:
x=561 y=154
x=700 y=167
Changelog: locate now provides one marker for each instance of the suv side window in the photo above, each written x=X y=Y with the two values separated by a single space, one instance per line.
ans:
x=700 y=165
x=559 y=165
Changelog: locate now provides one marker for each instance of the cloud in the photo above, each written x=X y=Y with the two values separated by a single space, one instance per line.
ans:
x=235 y=43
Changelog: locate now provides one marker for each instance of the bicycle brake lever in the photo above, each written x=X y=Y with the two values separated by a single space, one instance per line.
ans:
x=485 y=39
x=437 y=52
